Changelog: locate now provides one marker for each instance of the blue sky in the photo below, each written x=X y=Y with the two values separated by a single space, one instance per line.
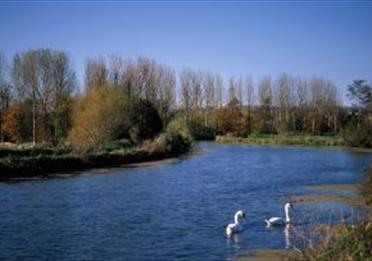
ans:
x=330 y=39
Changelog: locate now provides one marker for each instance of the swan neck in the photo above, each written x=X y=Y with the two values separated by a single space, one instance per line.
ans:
x=236 y=219
x=287 y=218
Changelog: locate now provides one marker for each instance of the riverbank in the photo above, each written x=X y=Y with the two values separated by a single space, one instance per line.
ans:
x=342 y=242
x=290 y=139
x=339 y=242
x=266 y=255
x=43 y=162
x=342 y=193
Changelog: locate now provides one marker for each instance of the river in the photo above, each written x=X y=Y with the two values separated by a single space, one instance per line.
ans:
x=175 y=210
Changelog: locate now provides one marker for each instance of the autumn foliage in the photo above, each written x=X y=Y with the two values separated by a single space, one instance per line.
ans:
x=16 y=123
x=136 y=99
x=100 y=116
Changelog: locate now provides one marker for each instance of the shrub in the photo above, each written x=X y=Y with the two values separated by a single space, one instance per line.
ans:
x=341 y=243
x=355 y=136
x=116 y=145
x=101 y=116
x=157 y=145
x=201 y=132
x=178 y=136
x=146 y=119
x=367 y=187
x=17 y=122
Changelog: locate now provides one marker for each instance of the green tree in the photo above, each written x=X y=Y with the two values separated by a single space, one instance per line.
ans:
x=359 y=128
x=361 y=94
x=146 y=119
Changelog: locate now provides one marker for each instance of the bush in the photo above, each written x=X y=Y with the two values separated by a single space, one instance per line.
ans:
x=201 y=132
x=17 y=122
x=157 y=145
x=34 y=152
x=367 y=187
x=341 y=243
x=101 y=116
x=116 y=145
x=178 y=136
x=358 y=137
x=146 y=119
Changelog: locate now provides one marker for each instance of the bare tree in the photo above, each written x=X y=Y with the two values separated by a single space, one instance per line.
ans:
x=265 y=96
x=284 y=97
x=324 y=99
x=4 y=92
x=302 y=100
x=64 y=86
x=209 y=92
x=249 y=92
x=30 y=82
x=146 y=79
x=197 y=91
x=186 y=92
x=166 y=87
x=239 y=89
x=129 y=78
x=219 y=90
x=116 y=68
x=331 y=105
x=96 y=73
x=44 y=77
x=232 y=90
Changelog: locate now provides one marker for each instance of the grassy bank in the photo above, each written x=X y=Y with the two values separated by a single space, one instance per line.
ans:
x=344 y=242
x=341 y=243
x=290 y=139
x=28 y=163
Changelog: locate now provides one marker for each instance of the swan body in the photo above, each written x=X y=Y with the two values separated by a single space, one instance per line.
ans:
x=279 y=221
x=235 y=227
x=275 y=221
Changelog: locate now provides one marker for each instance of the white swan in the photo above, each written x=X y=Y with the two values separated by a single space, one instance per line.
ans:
x=235 y=227
x=277 y=221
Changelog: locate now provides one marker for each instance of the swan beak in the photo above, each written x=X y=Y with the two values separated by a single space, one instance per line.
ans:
x=243 y=215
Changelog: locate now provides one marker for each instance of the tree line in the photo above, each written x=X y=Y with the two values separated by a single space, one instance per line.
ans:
x=36 y=96
x=40 y=101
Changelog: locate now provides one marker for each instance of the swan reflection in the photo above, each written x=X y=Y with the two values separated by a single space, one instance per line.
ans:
x=287 y=237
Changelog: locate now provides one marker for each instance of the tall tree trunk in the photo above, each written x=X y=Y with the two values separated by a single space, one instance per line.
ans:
x=1 y=126
x=313 y=125
x=286 y=119
x=249 y=120
x=335 y=122
x=33 y=115
x=206 y=117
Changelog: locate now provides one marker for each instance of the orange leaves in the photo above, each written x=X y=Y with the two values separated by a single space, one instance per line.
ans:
x=100 y=116
x=17 y=121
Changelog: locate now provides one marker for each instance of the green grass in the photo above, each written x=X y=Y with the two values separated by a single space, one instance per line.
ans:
x=290 y=139
x=33 y=152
